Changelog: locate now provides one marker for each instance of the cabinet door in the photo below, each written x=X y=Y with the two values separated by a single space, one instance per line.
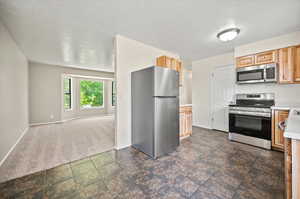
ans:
x=185 y=121
x=182 y=122
x=245 y=61
x=173 y=64
x=179 y=69
x=288 y=167
x=297 y=64
x=277 y=138
x=164 y=61
x=286 y=65
x=266 y=57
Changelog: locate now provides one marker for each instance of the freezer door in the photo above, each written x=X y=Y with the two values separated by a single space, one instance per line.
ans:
x=166 y=130
x=166 y=82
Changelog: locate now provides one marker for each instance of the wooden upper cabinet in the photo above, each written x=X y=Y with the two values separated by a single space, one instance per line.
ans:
x=277 y=135
x=168 y=62
x=164 y=61
x=266 y=57
x=260 y=58
x=245 y=61
x=297 y=64
x=172 y=63
x=286 y=65
x=288 y=60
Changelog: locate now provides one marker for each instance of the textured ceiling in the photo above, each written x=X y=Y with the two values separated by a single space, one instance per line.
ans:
x=80 y=32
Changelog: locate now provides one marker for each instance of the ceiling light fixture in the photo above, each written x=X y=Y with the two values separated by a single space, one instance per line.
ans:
x=228 y=34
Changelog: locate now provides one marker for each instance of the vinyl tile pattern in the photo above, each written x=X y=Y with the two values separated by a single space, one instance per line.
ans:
x=206 y=165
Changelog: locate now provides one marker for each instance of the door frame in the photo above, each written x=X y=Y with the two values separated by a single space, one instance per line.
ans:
x=212 y=84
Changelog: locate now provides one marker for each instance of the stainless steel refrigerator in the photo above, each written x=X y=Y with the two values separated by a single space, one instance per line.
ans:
x=155 y=110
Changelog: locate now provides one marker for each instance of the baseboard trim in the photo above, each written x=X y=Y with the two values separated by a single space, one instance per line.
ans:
x=62 y=121
x=45 y=123
x=202 y=126
x=182 y=138
x=13 y=147
x=122 y=147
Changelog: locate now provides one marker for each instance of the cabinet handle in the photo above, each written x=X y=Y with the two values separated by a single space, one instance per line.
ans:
x=282 y=125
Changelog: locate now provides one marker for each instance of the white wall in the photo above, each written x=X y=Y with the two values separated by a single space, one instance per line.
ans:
x=201 y=86
x=45 y=93
x=282 y=41
x=131 y=55
x=186 y=88
x=201 y=89
x=284 y=94
x=13 y=93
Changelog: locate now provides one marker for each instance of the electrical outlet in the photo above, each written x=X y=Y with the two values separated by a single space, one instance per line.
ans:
x=51 y=116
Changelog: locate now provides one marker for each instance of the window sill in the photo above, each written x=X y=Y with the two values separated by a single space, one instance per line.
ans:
x=91 y=108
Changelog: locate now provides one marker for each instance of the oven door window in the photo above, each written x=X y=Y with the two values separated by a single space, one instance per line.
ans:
x=250 y=75
x=254 y=126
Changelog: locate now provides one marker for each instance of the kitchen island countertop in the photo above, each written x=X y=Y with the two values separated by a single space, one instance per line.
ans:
x=293 y=124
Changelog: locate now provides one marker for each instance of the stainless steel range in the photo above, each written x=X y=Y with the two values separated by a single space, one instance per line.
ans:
x=250 y=119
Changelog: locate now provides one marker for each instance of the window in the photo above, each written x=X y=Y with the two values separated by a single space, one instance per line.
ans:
x=113 y=85
x=67 y=93
x=91 y=93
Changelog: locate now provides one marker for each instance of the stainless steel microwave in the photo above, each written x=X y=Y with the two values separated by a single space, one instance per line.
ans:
x=257 y=74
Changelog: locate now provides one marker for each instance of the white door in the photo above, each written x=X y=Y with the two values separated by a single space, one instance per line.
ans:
x=223 y=90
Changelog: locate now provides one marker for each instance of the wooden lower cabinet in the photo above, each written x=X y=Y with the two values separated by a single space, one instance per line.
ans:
x=288 y=168
x=279 y=117
x=185 y=113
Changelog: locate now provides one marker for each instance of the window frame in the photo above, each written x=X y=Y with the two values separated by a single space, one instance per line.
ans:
x=68 y=93
x=103 y=93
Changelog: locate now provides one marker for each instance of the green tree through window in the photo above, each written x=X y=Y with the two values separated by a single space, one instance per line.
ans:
x=91 y=93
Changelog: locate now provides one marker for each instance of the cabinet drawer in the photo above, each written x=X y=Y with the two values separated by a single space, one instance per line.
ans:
x=266 y=57
x=245 y=61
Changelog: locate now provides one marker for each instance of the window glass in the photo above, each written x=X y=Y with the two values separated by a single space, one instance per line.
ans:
x=113 y=93
x=91 y=93
x=67 y=93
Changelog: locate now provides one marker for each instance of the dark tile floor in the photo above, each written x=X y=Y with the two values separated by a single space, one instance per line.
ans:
x=205 y=166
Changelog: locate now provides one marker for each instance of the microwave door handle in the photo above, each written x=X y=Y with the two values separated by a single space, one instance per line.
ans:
x=265 y=74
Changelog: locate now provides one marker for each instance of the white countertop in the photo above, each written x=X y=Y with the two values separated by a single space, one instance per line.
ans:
x=293 y=125
x=285 y=106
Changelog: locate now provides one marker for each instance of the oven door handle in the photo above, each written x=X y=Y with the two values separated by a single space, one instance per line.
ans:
x=250 y=114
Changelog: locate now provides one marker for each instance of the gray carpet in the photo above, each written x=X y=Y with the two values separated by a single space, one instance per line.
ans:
x=47 y=146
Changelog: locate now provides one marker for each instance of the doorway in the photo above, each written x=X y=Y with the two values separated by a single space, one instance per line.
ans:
x=223 y=90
